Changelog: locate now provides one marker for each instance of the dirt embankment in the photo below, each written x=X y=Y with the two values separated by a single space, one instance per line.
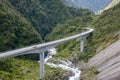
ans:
x=107 y=62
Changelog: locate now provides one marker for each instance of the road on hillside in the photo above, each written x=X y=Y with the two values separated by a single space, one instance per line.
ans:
x=39 y=47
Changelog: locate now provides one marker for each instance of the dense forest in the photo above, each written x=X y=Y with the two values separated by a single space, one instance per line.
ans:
x=27 y=22
x=45 y=14
x=106 y=27
x=15 y=30
x=24 y=23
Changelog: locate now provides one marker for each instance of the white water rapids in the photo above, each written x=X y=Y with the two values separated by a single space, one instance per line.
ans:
x=65 y=65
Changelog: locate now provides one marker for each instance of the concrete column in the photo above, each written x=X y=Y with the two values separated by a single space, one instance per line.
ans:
x=82 y=44
x=42 y=74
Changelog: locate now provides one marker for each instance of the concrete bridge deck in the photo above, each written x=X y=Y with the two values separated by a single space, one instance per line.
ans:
x=41 y=48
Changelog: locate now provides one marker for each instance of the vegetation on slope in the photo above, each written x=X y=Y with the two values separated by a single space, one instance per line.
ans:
x=45 y=14
x=107 y=29
x=69 y=28
x=15 y=30
x=23 y=69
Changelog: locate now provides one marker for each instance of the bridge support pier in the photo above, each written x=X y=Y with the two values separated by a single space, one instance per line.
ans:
x=41 y=56
x=82 y=44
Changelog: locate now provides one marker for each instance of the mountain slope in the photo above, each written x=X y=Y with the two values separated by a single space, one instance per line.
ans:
x=94 y=5
x=70 y=27
x=45 y=14
x=107 y=31
x=15 y=30
x=106 y=26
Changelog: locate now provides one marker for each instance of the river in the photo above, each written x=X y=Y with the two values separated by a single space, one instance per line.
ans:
x=65 y=65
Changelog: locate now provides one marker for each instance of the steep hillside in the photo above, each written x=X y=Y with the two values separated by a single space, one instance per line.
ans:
x=107 y=31
x=106 y=26
x=24 y=69
x=15 y=30
x=70 y=27
x=45 y=14
x=94 y=5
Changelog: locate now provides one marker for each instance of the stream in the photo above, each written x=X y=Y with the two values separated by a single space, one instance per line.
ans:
x=65 y=65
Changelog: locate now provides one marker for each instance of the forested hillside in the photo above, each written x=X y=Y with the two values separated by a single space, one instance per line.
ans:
x=107 y=31
x=15 y=30
x=23 y=22
x=45 y=14
x=19 y=21
x=106 y=27
x=69 y=28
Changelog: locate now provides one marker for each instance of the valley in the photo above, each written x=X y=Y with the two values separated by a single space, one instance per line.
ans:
x=27 y=22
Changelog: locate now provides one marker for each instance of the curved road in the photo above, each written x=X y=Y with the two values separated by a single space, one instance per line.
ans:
x=39 y=47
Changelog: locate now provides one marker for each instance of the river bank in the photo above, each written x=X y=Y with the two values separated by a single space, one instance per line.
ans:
x=64 y=64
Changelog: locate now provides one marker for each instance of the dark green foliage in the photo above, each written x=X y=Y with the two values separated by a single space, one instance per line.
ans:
x=45 y=14
x=12 y=69
x=106 y=25
x=69 y=28
x=22 y=69
x=34 y=12
x=15 y=31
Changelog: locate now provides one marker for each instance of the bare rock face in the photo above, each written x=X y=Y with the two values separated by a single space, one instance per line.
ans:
x=107 y=62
